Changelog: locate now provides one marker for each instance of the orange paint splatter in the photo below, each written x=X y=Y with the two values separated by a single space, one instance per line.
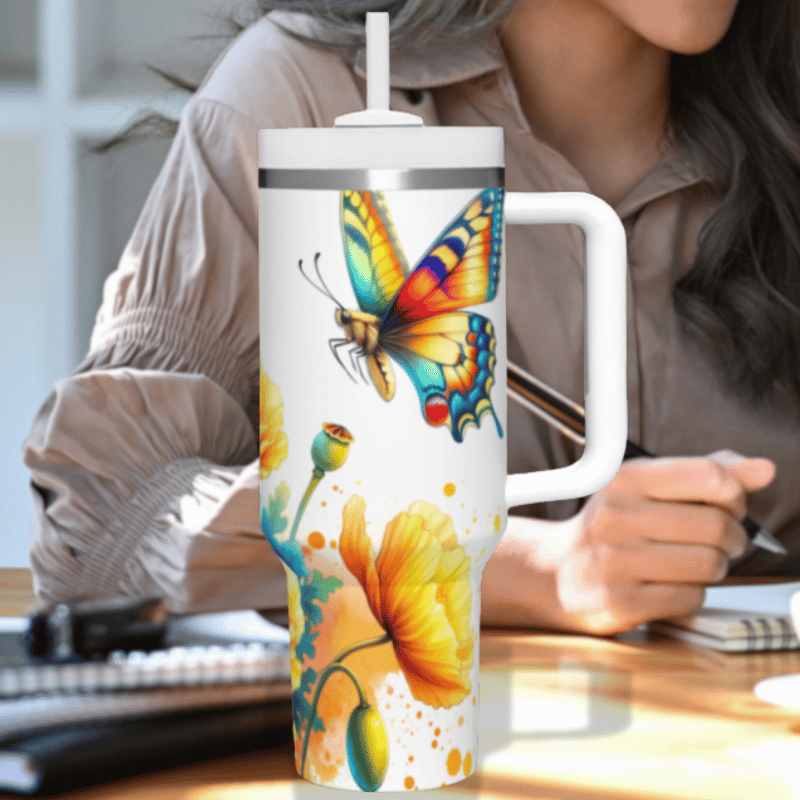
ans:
x=454 y=761
x=437 y=732
x=390 y=690
x=323 y=503
x=335 y=488
x=333 y=543
x=460 y=721
x=449 y=489
x=434 y=744
x=468 y=764
x=409 y=782
x=306 y=550
x=316 y=540
x=419 y=715
x=410 y=759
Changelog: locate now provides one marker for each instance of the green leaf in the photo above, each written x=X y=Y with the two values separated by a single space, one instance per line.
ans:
x=325 y=586
x=273 y=522
x=305 y=646
x=316 y=590
x=301 y=705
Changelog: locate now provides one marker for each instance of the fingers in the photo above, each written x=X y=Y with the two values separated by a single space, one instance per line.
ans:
x=695 y=480
x=663 y=563
x=662 y=601
x=753 y=473
x=626 y=523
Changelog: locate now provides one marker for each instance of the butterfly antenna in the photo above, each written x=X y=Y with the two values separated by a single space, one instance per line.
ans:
x=319 y=275
x=324 y=291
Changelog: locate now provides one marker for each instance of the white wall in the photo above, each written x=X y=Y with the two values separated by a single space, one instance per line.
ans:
x=23 y=330
x=72 y=71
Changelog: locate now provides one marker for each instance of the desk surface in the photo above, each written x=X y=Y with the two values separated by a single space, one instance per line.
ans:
x=567 y=717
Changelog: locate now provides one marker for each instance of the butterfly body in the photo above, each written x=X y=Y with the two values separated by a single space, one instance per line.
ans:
x=414 y=317
x=363 y=330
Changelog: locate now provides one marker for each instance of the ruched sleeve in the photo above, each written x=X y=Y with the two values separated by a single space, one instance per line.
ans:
x=144 y=461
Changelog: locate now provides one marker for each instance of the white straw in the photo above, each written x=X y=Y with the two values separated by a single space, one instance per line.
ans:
x=378 y=60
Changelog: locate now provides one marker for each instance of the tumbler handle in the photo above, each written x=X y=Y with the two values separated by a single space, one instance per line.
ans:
x=605 y=338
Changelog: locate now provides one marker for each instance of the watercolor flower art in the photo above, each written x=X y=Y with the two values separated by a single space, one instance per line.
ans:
x=273 y=443
x=419 y=591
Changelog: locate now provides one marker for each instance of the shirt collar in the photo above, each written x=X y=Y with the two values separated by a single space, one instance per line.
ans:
x=443 y=64
x=672 y=173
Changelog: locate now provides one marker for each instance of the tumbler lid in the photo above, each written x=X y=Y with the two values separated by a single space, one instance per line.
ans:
x=378 y=138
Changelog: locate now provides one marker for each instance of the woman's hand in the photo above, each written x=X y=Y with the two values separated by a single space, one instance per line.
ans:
x=642 y=548
x=645 y=546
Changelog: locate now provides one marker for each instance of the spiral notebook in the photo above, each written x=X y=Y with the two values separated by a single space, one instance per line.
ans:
x=742 y=618
x=242 y=659
x=221 y=685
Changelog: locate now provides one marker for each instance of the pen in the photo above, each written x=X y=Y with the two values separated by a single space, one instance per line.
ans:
x=568 y=417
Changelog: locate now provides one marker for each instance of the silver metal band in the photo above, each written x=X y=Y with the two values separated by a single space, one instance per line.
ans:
x=386 y=179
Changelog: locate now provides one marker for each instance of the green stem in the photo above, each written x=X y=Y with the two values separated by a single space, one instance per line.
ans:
x=316 y=476
x=326 y=673
x=335 y=666
x=382 y=639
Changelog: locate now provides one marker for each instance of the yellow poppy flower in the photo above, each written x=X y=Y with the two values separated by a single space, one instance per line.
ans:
x=296 y=626
x=419 y=590
x=273 y=442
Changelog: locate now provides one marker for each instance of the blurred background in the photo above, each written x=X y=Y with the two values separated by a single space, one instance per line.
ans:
x=72 y=74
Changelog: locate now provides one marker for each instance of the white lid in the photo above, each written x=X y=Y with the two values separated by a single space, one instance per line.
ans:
x=390 y=147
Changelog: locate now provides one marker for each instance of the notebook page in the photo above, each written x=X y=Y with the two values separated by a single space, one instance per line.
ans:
x=767 y=598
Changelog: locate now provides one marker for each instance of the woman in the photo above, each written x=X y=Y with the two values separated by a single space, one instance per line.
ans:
x=682 y=115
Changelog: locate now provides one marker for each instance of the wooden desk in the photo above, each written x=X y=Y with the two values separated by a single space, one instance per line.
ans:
x=567 y=717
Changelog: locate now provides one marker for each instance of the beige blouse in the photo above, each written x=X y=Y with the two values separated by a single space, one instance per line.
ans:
x=144 y=461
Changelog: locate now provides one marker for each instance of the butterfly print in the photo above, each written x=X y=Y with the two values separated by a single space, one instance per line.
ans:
x=413 y=317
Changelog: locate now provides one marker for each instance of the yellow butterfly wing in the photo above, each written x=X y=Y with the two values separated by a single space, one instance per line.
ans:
x=375 y=258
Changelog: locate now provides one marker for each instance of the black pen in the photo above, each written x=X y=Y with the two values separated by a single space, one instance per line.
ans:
x=569 y=418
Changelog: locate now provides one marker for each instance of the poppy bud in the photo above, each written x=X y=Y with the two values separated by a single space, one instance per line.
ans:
x=367 y=748
x=330 y=448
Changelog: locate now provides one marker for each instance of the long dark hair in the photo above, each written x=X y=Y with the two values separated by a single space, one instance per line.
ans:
x=736 y=111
